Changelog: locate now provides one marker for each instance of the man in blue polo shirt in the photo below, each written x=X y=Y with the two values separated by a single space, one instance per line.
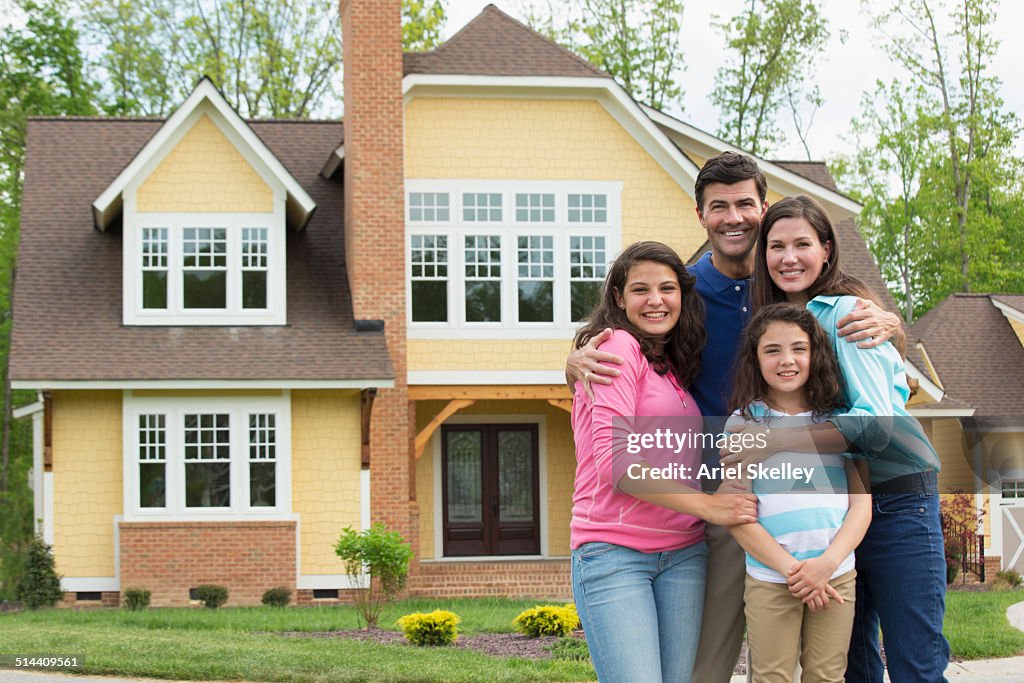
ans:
x=730 y=192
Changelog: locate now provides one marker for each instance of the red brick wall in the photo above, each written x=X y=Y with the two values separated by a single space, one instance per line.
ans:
x=375 y=236
x=542 y=579
x=169 y=558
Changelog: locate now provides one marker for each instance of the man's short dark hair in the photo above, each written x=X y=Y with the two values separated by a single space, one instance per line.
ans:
x=729 y=168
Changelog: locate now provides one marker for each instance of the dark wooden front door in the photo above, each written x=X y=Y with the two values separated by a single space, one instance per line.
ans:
x=490 y=489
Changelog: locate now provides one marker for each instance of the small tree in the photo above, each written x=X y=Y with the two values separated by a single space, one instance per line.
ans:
x=381 y=554
x=40 y=584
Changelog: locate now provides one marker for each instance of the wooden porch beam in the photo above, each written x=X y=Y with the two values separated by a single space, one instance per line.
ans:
x=366 y=399
x=444 y=392
x=424 y=436
x=563 y=403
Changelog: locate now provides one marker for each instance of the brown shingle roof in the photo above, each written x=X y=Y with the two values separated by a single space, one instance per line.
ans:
x=975 y=352
x=495 y=44
x=1014 y=301
x=67 y=300
x=815 y=171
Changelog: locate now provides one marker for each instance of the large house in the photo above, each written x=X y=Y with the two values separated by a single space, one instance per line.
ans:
x=248 y=336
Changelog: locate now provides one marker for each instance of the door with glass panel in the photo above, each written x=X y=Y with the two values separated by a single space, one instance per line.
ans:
x=490 y=490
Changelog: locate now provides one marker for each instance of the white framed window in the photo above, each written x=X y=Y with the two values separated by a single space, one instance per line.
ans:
x=205 y=269
x=481 y=207
x=1012 y=491
x=429 y=207
x=207 y=457
x=513 y=259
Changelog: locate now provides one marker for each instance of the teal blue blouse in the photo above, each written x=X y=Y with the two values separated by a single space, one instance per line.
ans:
x=875 y=393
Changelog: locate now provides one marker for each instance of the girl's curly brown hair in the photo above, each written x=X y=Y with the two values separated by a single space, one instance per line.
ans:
x=683 y=345
x=824 y=388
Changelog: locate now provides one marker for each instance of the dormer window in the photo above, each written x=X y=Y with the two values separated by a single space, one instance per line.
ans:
x=205 y=208
x=206 y=269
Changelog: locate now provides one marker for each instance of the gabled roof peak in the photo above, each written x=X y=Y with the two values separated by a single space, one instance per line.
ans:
x=205 y=97
x=496 y=44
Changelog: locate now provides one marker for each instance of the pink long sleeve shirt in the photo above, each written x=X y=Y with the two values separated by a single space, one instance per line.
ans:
x=600 y=512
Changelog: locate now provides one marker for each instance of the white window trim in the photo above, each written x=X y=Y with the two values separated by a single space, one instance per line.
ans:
x=233 y=314
x=237 y=407
x=509 y=229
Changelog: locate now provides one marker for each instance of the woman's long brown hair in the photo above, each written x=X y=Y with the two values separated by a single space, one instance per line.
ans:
x=831 y=281
x=681 y=353
x=824 y=388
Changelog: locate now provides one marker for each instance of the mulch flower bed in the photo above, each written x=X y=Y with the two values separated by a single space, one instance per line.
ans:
x=494 y=644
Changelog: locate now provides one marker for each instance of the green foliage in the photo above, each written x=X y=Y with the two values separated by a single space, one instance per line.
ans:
x=136 y=599
x=40 y=584
x=634 y=41
x=277 y=597
x=212 y=595
x=1009 y=578
x=570 y=648
x=439 y=627
x=548 y=620
x=382 y=555
x=422 y=21
x=771 y=48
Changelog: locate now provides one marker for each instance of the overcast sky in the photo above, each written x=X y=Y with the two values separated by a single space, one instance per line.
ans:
x=844 y=72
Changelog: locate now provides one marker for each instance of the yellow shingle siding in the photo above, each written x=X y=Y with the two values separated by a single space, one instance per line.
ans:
x=326 y=465
x=560 y=469
x=956 y=457
x=87 y=481
x=1018 y=328
x=204 y=172
x=523 y=139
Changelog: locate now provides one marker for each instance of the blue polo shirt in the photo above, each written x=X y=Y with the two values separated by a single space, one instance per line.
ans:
x=727 y=310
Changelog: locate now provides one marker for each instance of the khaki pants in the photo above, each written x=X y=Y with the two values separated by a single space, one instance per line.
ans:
x=721 y=629
x=780 y=628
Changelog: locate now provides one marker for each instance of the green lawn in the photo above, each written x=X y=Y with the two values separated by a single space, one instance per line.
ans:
x=976 y=624
x=241 y=644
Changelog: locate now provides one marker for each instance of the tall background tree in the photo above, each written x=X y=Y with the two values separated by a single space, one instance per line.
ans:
x=771 y=49
x=635 y=41
x=937 y=162
x=42 y=73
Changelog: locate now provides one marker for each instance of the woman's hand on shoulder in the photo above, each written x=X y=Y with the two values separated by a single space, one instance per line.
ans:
x=589 y=365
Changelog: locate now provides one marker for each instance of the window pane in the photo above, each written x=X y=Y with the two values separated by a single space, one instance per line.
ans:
x=464 y=477
x=262 y=484
x=585 y=296
x=430 y=301
x=152 y=485
x=515 y=476
x=205 y=288
x=208 y=485
x=536 y=301
x=483 y=301
x=254 y=289
x=154 y=289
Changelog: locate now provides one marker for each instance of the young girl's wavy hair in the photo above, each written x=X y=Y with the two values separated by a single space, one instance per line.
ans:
x=824 y=388
x=682 y=348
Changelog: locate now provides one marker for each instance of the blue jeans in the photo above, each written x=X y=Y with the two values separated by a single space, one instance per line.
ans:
x=901 y=585
x=640 y=611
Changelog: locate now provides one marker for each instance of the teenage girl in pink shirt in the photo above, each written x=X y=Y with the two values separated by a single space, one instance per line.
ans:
x=638 y=551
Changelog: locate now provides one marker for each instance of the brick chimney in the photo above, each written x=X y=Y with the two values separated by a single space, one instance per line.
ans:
x=375 y=237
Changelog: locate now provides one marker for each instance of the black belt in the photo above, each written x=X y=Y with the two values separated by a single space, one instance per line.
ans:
x=917 y=482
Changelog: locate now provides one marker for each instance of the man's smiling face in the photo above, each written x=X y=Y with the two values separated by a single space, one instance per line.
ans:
x=731 y=215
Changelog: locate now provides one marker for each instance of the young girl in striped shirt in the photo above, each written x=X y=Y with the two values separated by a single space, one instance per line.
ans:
x=799 y=590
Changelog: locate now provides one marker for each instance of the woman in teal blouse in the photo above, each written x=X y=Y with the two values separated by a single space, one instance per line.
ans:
x=901 y=572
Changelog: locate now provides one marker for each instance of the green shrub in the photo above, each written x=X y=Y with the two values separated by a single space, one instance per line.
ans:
x=1008 y=579
x=40 y=584
x=277 y=597
x=434 y=628
x=384 y=556
x=212 y=595
x=547 y=620
x=136 y=599
x=570 y=648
